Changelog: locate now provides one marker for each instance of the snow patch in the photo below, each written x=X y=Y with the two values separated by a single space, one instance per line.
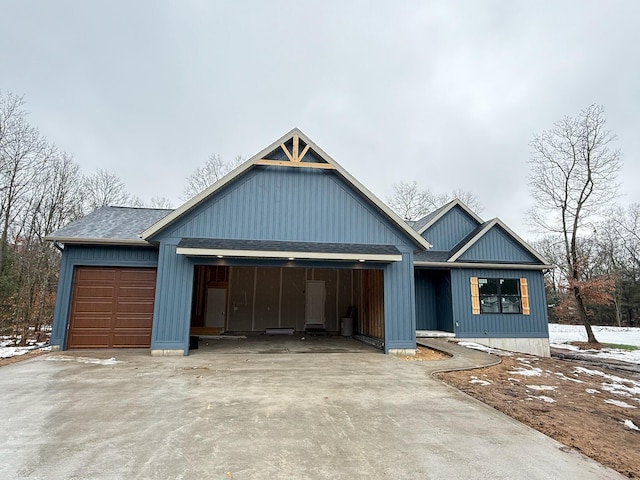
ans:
x=560 y=335
x=620 y=389
x=484 y=348
x=479 y=382
x=95 y=361
x=630 y=425
x=7 y=352
x=542 y=388
x=591 y=390
x=528 y=372
x=541 y=397
x=618 y=403
x=564 y=377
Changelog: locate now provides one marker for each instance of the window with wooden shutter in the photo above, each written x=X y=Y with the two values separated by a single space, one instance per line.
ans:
x=524 y=294
x=475 y=296
x=499 y=296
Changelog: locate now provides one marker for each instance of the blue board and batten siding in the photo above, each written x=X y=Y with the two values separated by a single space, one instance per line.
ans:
x=497 y=246
x=468 y=325
x=291 y=204
x=294 y=204
x=87 y=256
x=450 y=229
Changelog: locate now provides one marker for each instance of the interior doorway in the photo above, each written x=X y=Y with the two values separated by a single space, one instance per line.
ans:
x=216 y=308
x=314 y=303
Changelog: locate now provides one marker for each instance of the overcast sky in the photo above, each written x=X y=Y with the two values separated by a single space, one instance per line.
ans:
x=447 y=93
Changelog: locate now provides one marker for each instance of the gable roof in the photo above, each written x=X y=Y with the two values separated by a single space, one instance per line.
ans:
x=483 y=230
x=451 y=259
x=430 y=219
x=110 y=225
x=294 y=157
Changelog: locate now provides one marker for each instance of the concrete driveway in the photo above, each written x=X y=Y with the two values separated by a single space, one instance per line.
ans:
x=83 y=415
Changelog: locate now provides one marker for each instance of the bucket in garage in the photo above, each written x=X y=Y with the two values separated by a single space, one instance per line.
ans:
x=346 y=326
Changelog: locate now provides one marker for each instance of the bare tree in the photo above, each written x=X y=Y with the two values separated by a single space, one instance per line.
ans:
x=573 y=178
x=413 y=203
x=160 y=202
x=21 y=156
x=213 y=170
x=105 y=188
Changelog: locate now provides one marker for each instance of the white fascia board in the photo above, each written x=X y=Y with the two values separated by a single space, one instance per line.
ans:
x=446 y=210
x=177 y=213
x=98 y=241
x=215 y=252
x=489 y=266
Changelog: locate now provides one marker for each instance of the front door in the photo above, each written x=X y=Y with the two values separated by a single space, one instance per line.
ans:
x=216 y=308
x=314 y=306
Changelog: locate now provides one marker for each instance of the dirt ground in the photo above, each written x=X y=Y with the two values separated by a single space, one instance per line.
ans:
x=583 y=407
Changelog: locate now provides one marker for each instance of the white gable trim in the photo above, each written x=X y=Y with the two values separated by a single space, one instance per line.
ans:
x=511 y=233
x=208 y=192
x=447 y=208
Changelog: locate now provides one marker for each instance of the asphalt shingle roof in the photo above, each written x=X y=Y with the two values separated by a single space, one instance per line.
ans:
x=431 y=256
x=111 y=223
x=280 y=246
x=418 y=224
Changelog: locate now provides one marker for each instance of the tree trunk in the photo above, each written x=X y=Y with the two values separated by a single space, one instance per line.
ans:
x=582 y=314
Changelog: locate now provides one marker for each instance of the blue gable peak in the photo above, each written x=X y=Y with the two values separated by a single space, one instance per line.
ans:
x=294 y=149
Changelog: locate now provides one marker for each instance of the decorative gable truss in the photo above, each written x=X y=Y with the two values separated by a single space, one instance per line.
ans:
x=295 y=150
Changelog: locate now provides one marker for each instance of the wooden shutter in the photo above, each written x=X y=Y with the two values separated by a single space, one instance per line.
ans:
x=524 y=295
x=475 y=296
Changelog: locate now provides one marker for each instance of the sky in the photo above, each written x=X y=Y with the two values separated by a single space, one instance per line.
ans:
x=446 y=93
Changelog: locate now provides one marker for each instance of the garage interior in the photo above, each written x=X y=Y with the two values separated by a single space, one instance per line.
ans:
x=251 y=300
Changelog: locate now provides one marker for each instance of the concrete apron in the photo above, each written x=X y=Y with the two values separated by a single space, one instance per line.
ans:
x=125 y=414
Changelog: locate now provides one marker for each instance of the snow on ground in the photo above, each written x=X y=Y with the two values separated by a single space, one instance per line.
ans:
x=8 y=350
x=561 y=335
x=95 y=361
x=576 y=333
x=630 y=425
x=484 y=348
x=611 y=389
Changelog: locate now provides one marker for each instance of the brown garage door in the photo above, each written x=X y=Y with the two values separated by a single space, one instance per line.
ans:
x=112 y=307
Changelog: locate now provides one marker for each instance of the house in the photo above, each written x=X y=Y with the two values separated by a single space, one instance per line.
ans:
x=290 y=240
x=480 y=282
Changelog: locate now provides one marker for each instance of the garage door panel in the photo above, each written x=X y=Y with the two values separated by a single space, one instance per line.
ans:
x=130 y=340
x=94 y=291
x=132 y=321
x=90 y=340
x=84 y=307
x=112 y=307
x=141 y=291
x=95 y=275
x=138 y=275
x=85 y=322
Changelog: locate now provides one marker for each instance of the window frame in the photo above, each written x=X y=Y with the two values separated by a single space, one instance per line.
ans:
x=502 y=298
